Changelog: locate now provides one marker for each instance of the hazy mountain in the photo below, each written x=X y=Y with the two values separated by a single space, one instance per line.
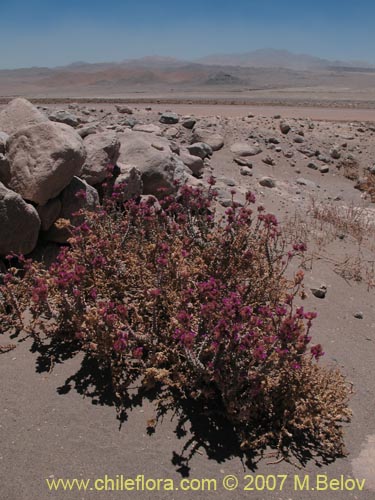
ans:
x=261 y=69
x=272 y=58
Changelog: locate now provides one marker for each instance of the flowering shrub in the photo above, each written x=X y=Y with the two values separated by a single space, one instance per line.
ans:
x=195 y=304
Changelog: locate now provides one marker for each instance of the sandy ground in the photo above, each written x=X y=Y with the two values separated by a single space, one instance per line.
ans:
x=232 y=110
x=61 y=424
x=329 y=113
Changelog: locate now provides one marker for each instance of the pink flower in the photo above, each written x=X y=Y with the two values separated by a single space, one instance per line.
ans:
x=138 y=352
x=122 y=341
x=81 y=194
x=317 y=351
x=250 y=197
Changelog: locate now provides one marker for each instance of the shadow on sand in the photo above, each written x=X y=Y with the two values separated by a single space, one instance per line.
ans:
x=199 y=427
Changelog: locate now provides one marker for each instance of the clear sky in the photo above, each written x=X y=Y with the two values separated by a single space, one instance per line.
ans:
x=56 y=32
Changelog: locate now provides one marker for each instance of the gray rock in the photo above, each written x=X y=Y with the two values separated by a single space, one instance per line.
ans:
x=63 y=116
x=43 y=160
x=268 y=160
x=243 y=162
x=358 y=315
x=103 y=151
x=324 y=169
x=273 y=140
x=245 y=149
x=225 y=202
x=267 y=182
x=49 y=213
x=130 y=182
x=307 y=152
x=200 y=149
x=298 y=139
x=285 y=127
x=18 y=114
x=313 y=166
x=216 y=141
x=124 y=110
x=129 y=122
x=88 y=130
x=227 y=181
x=19 y=223
x=246 y=171
x=335 y=153
x=149 y=128
x=320 y=293
x=4 y=170
x=194 y=163
x=361 y=184
x=169 y=118
x=3 y=139
x=159 y=167
x=172 y=133
x=305 y=182
x=323 y=158
x=78 y=195
x=174 y=147
x=189 y=122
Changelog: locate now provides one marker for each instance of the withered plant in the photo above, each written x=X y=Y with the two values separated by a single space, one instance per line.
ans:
x=194 y=306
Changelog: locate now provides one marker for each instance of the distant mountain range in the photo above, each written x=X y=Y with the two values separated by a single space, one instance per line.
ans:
x=272 y=58
x=261 y=58
x=260 y=69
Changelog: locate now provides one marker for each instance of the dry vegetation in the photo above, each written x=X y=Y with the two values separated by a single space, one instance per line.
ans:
x=323 y=224
x=195 y=308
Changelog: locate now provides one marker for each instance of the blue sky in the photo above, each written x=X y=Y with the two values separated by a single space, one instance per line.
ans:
x=56 y=32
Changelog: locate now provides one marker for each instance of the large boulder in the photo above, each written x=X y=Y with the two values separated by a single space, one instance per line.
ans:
x=159 y=167
x=19 y=223
x=216 y=141
x=78 y=195
x=43 y=160
x=20 y=113
x=103 y=151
